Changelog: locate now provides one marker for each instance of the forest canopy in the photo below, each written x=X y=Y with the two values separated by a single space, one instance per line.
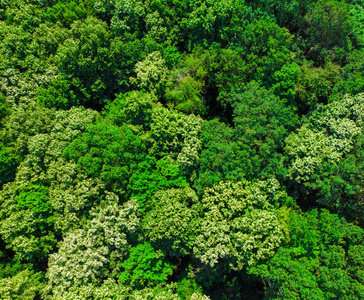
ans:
x=190 y=150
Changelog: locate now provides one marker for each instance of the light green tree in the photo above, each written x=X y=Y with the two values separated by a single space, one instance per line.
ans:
x=239 y=224
x=171 y=223
x=86 y=254
x=152 y=74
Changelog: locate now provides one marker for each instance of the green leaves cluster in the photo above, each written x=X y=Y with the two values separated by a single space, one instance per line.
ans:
x=172 y=149
x=323 y=260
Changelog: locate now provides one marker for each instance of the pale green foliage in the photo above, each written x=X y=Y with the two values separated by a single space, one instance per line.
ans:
x=23 y=286
x=70 y=190
x=188 y=158
x=73 y=194
x=46 y=147
x=198 y=296
x=309 y=150
x=157 y=293
x=54 y=129
x=170 y=224
x=26 y=119
x=177 y=135
x=20 y=87
x=26 y=60
x=239 y=224
x=342 y=119
x=109 y=289
x=152 y=73
x=84 y=255
x=329 y=133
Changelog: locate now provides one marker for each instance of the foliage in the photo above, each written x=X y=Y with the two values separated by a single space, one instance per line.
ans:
x=151 y=74
x=108 y=152
x=315 y=85
x=8 y=163
x=185 y=87
x=329 y=27
x=152 y=176
x=238 y=224
x=175 y=134
x=261 y=123
x=323 y=152
x=145 y=267
x=81 y=57
x=133 y=108
x=27 y=222
x=171 y=224
x=323 y=260
x=266 y=48
x=25 y=285
x=251 y=148
x=221 y=157
x=86 y=254
x=166 y=149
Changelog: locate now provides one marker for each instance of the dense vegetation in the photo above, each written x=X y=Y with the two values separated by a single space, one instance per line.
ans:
x=179 y=149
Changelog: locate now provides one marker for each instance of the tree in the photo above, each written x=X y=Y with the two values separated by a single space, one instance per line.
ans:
x=221 y=157
x=170 y=224
x=266 y=48
x=151 y=74
x=25 y=285
x=175 y=134
x=322 y=260
x=85 y=60
x=30 y=210
x=325 y=156
x=108 y=152
x=152 y=176
x=262 y=122
x=133 y=108
x=329 y=28
x=315 y=85
x=86 y=255
x=239 y=224
x=145 y=267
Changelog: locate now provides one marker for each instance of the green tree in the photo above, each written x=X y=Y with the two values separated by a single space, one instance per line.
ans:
x=145 y=267
x=324 y=156
x=221 y=156
x=133 y=108
x=315 y=85
x=151 y=176
x=25 y=285
x=266 y=48
x=323 y=260
x=171 y=223
x=262 y=122
x=329 y=28
x=69 y=11
x=27 y=222
x=107 y=152
x=86 y=62
x=9 y=160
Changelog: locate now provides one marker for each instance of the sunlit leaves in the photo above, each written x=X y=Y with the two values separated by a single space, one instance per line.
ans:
x=144 y=267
